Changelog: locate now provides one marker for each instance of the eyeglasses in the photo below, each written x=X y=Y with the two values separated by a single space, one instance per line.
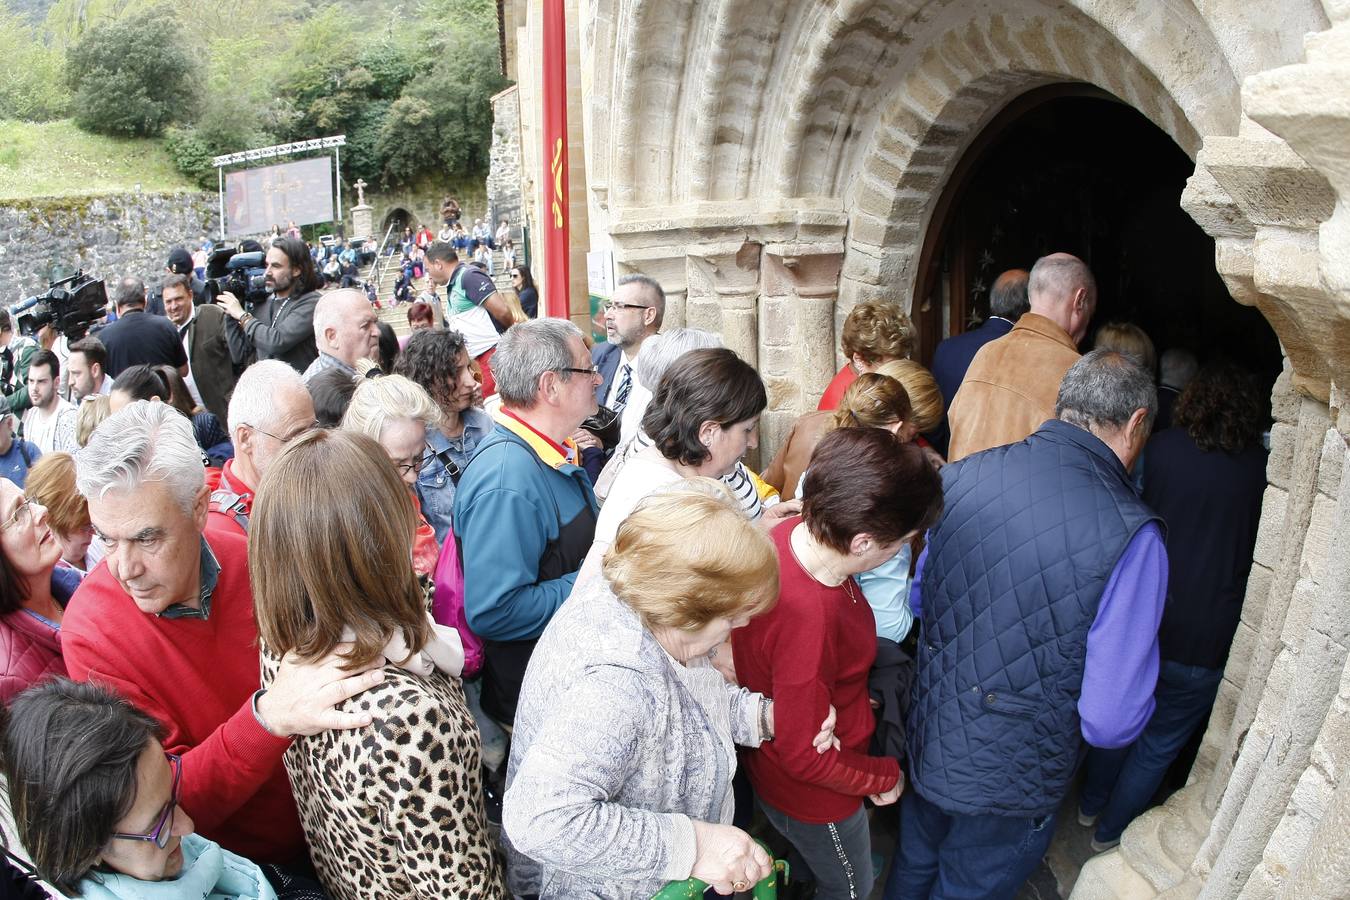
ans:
x=163 y=829
x=416 y=465
x=23 y=515
x=615 y=305
x=593 y=370
x=290 y=437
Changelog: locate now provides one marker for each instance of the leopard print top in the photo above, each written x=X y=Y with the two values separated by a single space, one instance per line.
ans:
x=395 y=810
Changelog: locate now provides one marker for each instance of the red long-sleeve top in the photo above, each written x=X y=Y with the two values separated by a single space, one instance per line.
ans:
x=197 y=677
x=813 y=649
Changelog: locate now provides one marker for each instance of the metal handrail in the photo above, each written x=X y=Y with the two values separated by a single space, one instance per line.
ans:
x=378 y=269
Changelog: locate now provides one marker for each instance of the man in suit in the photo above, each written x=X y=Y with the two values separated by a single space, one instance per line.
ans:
x=1007 y=302
x=632 y=315
x=211 y=372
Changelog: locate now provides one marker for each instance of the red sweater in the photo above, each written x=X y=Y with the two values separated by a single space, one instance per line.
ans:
x=835 y=392
x=812 y=650
x=197 y=678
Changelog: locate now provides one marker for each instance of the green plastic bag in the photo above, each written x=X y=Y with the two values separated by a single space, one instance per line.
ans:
x=693 y=889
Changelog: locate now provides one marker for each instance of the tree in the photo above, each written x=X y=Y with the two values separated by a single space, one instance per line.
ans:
x=133 y=76
x=31 y=83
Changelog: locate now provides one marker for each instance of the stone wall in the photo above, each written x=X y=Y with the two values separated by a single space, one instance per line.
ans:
x=505 y=169
x=109 y=236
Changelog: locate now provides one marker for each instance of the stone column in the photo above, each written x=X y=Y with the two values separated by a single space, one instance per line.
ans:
x=724 y=294
x=796 y=335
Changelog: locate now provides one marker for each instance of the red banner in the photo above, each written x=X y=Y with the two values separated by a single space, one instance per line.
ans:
x=557 y=243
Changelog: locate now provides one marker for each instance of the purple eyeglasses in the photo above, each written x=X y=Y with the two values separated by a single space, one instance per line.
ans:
x=163 y=829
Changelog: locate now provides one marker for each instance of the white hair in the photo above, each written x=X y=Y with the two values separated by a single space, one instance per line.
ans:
x=379 y=401
x=254 y=399
x=660 y=350
x=144 y=442
x=328 y=311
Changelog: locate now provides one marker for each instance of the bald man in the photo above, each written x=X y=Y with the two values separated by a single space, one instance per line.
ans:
x=1007 y=304
x=345 y=330
x=1010 y=388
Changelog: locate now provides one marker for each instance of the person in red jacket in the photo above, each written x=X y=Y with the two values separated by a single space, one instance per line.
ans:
x=167 y=621
x=867 y=494
x=875 y=332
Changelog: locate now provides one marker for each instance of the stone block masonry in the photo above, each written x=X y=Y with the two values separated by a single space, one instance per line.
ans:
x=109 y=236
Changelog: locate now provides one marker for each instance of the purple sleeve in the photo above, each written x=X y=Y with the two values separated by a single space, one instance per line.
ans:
x=915 y=598
x=477 y=286
x=1121 y=669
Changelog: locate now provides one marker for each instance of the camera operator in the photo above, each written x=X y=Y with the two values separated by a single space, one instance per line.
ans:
x=282 y=326
x=16 y=352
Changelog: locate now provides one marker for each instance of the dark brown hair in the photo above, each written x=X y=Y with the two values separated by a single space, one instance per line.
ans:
x=865 y=481
x=701 y=386
x=297 y=253
x=329 y=549
x=71 y=755
x=431 y=358
x=93 y=350
x=13 y=586
x=1221 y=409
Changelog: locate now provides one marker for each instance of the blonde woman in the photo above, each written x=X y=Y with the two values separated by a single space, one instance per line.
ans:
x=872 y=401
x=625 y=735
x=398 y=413
x=396 y=809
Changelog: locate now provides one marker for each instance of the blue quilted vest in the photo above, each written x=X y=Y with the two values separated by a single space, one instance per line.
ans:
x=1016 y=567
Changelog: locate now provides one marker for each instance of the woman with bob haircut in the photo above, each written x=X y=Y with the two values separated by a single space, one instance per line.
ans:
x=398 y=413
x=702 y=419
x=163 y=383
x=624 y=743
x=872 y=401
x=874 y=332
x=95 y=803
x=866 y=495
x=396 y=809
x=51 y=482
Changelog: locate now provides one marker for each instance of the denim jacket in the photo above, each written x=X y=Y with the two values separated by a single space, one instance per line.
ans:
x=435 y=484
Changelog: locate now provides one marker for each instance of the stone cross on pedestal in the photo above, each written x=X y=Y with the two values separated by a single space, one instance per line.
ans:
x=362 y=217
x=360 y=191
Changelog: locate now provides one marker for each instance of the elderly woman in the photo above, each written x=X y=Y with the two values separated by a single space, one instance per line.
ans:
x=52 y=483
x=624 y=743
x=867 y=494
x=394 y=810
x=872 y=401
x=95 y=803
x=398 y=414
x=659 y=354
x=33 y=593
x=438 y=361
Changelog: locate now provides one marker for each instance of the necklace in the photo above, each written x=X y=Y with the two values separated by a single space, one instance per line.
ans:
x=844 y=581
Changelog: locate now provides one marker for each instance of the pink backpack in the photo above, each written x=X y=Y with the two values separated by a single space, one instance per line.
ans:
x=447 y=603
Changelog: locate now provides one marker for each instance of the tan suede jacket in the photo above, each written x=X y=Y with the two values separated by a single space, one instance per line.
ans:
x=791 y=459
x=1010 y=387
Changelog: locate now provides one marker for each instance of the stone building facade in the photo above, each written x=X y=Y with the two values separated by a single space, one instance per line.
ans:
x=773 y=162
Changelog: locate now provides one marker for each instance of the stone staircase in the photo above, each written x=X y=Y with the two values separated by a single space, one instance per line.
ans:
x=397 y=316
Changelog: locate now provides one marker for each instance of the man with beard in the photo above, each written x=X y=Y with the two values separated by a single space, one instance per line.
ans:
x=282 y=326
x=632 y=315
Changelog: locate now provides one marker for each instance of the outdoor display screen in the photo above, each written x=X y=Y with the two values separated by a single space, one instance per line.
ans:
x=299 y=192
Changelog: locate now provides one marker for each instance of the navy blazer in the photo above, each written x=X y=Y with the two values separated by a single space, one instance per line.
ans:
x=952 y=357
x=606 y=356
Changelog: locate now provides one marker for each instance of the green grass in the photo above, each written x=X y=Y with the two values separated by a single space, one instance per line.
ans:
x=56 y=159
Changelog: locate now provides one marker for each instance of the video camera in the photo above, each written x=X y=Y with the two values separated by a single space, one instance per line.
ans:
x=239 y=271
x=69 y=304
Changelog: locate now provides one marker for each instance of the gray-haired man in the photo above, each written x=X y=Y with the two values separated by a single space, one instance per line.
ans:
x=167 y=621
x=524 y=512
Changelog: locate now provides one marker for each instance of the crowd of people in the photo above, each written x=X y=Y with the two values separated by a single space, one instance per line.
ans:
x=291 y=608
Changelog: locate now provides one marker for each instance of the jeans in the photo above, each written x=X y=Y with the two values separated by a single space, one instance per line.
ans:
x=1119 y=784
x=839 y=854
x=956 y=857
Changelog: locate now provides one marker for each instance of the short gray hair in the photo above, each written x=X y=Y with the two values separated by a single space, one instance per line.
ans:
x=1103 y=389
x=254 y=399
x=658 y=293
x=379 y=401
x=130 y=292
x=1054 y=279
x=328 y=311
x=144 y=442
x=660 y=350
x=528 y=350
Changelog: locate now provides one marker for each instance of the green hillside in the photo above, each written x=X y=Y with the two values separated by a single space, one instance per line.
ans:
x=52 y=159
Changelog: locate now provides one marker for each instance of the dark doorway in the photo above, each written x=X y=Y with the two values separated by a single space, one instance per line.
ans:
x=1070 y=168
